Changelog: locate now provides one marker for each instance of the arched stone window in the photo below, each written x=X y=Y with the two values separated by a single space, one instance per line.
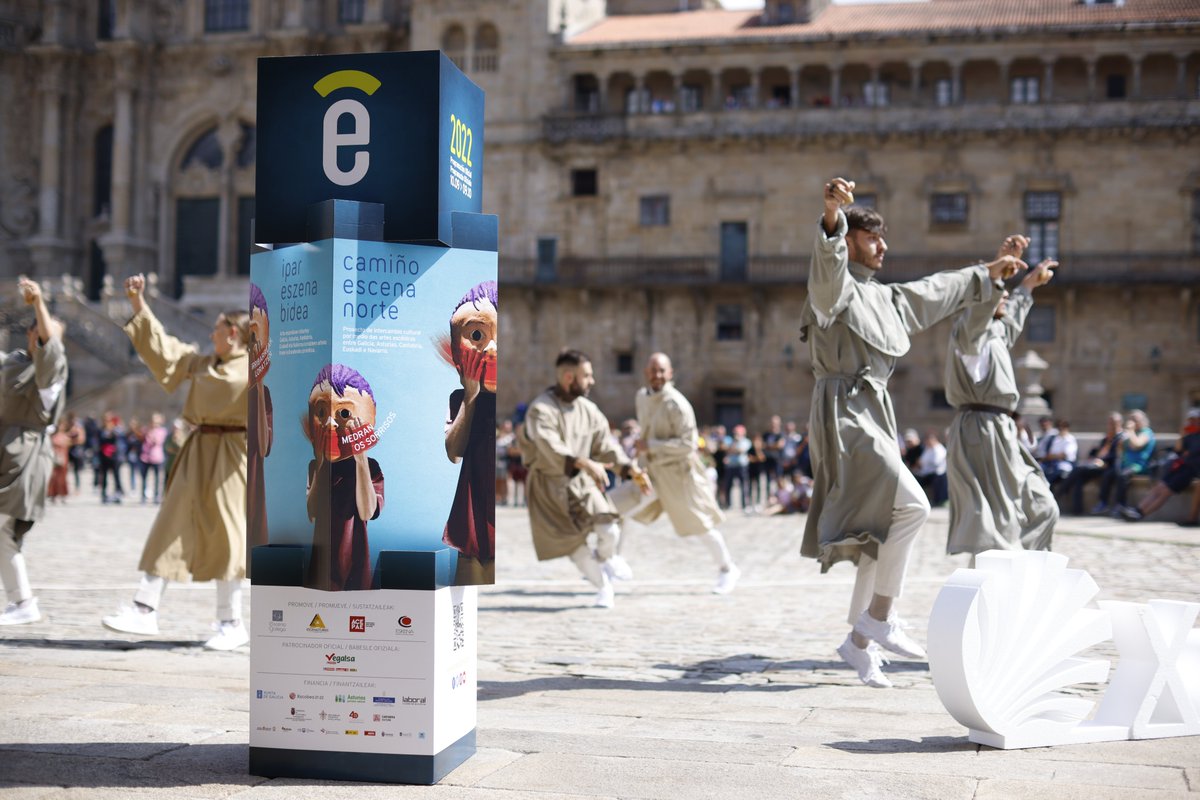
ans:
x=213 y=203
x=487 y=48
x=454 y=45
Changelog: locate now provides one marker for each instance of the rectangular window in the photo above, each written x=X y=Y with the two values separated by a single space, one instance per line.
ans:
x=937 y=399
x=876 y=94
x=547 y=259
x=739 y=97
x=866 y=200
x=106 y=20
x=625 y=363
x=948 y=208
x=729 y=323
x=221 y=16
x=1042 y=213
x=692 y=98
x=245 y=210
x=1114 y=87
x=1024 y=90
x=943 y=91
x=655 y=210
x=583 y=183
x=350 y=12
x=1196 y=221
x=1039 y=325
x=787 y=14
x=195 y=238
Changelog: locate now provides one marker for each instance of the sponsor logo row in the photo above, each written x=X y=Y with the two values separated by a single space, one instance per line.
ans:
x=402 y=625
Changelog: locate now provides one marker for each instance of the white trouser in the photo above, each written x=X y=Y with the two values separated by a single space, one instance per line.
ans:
x=229 y=596
x=715 y=543
x=608 y=536
x=886 y=576
x=12 y=564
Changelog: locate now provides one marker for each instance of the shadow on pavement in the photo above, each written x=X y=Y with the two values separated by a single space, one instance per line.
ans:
x=929 y=744
x=150 y=765
x=103 y=644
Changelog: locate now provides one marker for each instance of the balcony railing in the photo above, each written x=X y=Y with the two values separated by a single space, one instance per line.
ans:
x=1075 y=269
x=559 y=127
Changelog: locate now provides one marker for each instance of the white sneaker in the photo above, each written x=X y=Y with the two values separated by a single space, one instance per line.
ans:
x=130 y=620
x=867 y=662
x=890 y=635
x=605 y=597
x=230 y=635
x=617 y=569
x=21 y=613
x=727 y=579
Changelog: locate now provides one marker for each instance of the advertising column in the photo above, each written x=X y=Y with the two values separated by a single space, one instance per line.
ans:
x=371 y=479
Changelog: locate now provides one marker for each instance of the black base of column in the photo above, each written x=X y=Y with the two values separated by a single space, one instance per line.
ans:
x=270 y=762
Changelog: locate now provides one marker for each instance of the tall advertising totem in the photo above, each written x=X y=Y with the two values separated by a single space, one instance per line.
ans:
x=371 y=482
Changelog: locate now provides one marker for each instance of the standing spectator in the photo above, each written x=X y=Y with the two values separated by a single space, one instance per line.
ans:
x=931 y=468
x=152 y=457
x=133 y=454
x=1135 y=449
x=504 y=441
x=773 y=440
x=33 y=385
x=200 y=530
x=110 y=452
x=790 y=454
x=1099 y=460
x=180 y=430
x=77 y=454
x=716 y=448
x=737 y=467
x=1024 y=435
x=516 y=467
x=60 y=446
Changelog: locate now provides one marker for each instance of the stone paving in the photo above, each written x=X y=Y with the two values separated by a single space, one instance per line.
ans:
x=676 y=692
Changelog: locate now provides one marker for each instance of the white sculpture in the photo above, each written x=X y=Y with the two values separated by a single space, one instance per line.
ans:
x=1004 y=640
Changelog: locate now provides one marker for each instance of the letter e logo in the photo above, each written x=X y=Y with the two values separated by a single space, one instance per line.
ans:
x=358 y=136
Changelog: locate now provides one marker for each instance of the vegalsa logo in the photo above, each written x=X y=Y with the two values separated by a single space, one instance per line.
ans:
x=359 y=134
x=334 y=658
x=317 y=623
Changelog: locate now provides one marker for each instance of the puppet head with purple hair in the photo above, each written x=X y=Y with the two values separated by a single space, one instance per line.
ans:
x=340 y=403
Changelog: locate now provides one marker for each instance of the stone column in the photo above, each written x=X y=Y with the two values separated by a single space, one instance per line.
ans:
x=914 y=84
x=1181 y=91
x=638 y=106
x=1135 y=88
x=795 y=88
x=1047 y=80
x=1005 y=87
x=677 y=82
x=49 y=250
x=1091 y=80
x=955 y=83
x=717 y=101
x=755 y=87
x=835 y=85
x=230 y=137
x=874 y=80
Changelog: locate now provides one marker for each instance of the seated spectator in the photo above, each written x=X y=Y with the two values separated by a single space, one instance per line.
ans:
x=1135 y=448
x=911 y=449
x=1046 y=435
x=931 y=469
x=791 y=497
x=1178 y=475
x=1100 y=459
x=1058 y=458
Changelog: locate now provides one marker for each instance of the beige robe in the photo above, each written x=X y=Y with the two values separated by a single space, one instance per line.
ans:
x=681 y=485
x=857 y=328
x=564 y=508
x=999 y=497
x=200 y=530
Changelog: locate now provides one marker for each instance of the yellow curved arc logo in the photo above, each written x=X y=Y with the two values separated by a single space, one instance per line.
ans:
x=347 y=79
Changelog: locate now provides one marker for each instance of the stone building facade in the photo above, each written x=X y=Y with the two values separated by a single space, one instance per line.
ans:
x=658 y=172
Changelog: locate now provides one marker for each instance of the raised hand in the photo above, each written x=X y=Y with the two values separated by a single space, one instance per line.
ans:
x=1014 y=245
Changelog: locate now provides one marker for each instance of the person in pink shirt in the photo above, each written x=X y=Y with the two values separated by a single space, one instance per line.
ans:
x=153 y=456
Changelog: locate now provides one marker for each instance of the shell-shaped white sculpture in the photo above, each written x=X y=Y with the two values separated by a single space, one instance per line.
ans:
x=1003 y=643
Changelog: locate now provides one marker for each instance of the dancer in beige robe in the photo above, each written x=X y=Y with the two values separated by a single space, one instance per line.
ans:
x=566 y=445
x=200 y=531
x=668 y=444
x=999 y=496
x=866 y=506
